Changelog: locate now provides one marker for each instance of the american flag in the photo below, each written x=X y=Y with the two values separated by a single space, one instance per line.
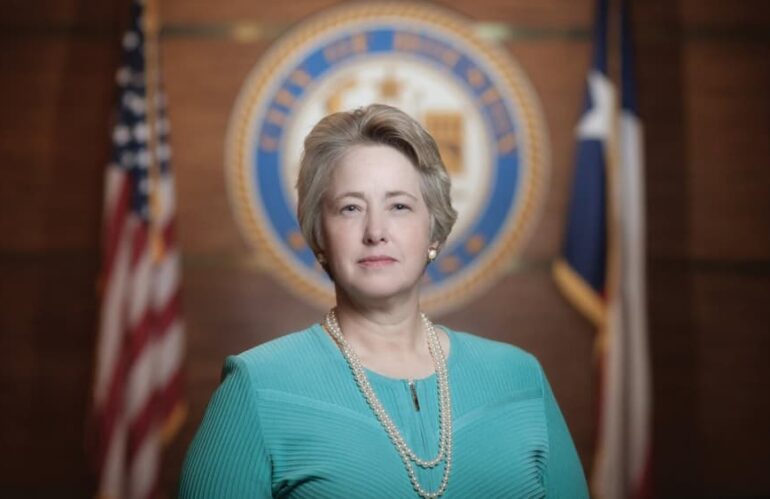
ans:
x=602 y=270
x=137 y=398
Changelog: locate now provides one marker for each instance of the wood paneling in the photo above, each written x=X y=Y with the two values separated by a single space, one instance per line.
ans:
x=56 y=92
x=203 y=79
x=727 y=121
x=716 y=13
x=676 y=442
x=661 y=106
x=57 y=96
x=556 y=69
x=50 y=16
x=732 y=380
x=703 y=79
x=546 y=13
x=47 y=321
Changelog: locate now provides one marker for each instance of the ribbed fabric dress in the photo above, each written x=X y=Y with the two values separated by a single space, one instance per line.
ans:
x=288 y=420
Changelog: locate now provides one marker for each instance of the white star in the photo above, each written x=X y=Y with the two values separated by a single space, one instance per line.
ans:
x=123 y=76
x=596 y=122
x=141 y=132
x=144 y=185
x=162 y=127
x=164 y=152
x=134 y=102
x=121 y=135
x=127 y=159
x=143 y=158
x=130 y=40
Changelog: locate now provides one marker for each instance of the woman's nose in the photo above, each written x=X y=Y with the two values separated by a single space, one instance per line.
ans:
x=375 y=231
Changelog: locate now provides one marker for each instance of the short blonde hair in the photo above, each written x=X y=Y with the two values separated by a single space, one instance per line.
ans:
x=376 y=124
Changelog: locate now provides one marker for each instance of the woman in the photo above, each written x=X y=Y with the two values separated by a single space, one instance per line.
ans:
x=376 y=401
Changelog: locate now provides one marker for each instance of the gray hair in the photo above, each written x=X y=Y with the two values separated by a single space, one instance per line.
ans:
x=376 y=124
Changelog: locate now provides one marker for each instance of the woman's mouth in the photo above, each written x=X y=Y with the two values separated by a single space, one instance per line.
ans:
x=376 y=261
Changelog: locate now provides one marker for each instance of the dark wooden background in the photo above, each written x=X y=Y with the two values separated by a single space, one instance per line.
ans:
x=704 y=81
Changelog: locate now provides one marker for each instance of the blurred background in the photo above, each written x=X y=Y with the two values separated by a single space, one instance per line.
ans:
x=703 y=75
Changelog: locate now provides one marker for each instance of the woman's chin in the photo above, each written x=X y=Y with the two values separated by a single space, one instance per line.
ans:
x=373 y=292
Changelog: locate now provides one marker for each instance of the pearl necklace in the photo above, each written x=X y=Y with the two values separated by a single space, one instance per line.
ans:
x=407 y=455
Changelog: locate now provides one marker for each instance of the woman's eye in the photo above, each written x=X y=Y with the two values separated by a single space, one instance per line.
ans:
x=349 y=208
x=400 y=206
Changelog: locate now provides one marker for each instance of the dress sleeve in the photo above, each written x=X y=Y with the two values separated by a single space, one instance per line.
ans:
x=564 y=477
x=227 y=457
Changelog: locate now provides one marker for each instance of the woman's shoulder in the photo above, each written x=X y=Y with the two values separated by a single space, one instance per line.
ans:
x=495 y=355
x=282 y=346
x=480 y=345
x=282 y=358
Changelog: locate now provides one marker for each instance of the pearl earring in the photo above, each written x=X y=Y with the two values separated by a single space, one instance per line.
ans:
x=432 y=254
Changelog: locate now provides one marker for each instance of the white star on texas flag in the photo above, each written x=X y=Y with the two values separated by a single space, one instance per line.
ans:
x=596 y=122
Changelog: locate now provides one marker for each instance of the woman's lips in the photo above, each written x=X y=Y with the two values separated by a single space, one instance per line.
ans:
x=376 y=261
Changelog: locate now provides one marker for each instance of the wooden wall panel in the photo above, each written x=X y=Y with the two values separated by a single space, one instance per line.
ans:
x=47 y=324
x=56 y=92
x=733 y=381
x=673 y=338
x=203 y=78
x=196 y=12
x=703 y=77
x=744 y=15
x=545 y=13
x=728 y=120
x=556 y=69
x=42 y=145
x=52 y=17
x=661 y=105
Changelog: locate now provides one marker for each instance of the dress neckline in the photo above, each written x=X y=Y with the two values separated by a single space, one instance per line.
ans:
x=382 y=378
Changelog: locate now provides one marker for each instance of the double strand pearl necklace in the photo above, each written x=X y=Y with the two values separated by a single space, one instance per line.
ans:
x=407 y=455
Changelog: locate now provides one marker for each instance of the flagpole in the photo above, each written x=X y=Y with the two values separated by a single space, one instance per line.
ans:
x=612 y=158
x=151 y=22
x=174 y=421
x=603 y=484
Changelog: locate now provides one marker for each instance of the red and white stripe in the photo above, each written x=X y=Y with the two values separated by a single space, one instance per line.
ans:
x=141 y=342
x=621 y=469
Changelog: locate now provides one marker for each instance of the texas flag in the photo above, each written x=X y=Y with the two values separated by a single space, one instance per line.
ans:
x=602 y=268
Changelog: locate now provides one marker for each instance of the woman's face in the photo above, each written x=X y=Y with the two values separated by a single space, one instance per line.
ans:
x=376 y=225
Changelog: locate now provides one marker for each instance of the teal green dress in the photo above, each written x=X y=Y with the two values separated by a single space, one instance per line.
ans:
x=288 y=420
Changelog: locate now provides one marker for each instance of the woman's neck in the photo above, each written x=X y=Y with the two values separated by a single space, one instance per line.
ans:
x=385 y=327
x=389 y=338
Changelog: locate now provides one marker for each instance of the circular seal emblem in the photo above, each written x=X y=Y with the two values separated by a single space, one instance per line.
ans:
x=473 y=98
